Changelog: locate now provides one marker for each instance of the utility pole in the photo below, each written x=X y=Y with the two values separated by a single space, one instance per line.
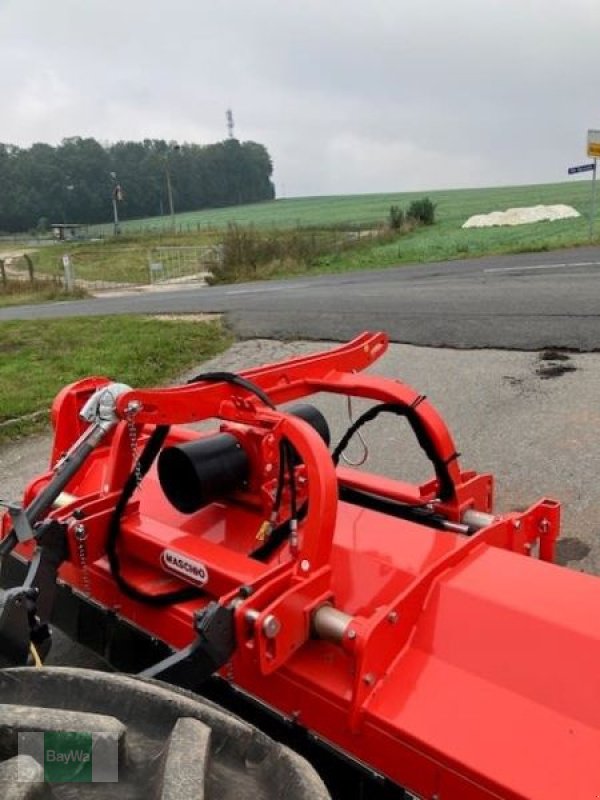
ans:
x=229 y=117
x=170 y=193
x=69 y=187
x=117 y=195
x=176 y=148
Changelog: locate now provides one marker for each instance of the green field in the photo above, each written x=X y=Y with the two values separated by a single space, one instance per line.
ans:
x=125 y=258
x=454 y=206
x=446 y=240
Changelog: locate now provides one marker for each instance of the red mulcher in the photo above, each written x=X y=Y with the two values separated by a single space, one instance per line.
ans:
x=408 y=627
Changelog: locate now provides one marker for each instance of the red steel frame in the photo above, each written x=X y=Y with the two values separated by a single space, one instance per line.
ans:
x=467 y=670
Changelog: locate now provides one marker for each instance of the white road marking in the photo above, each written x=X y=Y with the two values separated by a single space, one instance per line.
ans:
x=262 y=289
x=544 y=266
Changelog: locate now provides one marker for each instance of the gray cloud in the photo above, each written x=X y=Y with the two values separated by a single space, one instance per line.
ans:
x=348 y=97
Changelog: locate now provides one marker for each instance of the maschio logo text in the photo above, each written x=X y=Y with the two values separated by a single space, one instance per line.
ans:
x=184 y=567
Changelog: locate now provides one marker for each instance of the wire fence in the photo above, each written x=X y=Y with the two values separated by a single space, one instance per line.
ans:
x=116 y=266
x=166 y=265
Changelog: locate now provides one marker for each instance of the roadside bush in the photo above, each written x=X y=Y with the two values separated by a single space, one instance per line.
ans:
x=247 y=252
x=244 y=250
x=422 y=211
x=396 y=218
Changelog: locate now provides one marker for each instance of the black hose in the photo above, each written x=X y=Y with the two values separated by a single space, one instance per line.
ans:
x=145 y=461
x=446 y=485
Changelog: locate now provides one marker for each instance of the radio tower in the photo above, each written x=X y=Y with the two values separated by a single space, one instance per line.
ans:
x=229 y=115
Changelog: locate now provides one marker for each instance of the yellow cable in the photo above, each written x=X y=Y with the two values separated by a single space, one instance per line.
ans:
x=35 y=655
x=263 y=531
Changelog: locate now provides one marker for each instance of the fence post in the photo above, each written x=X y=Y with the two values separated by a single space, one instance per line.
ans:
x=68 y=268
x=29 y=263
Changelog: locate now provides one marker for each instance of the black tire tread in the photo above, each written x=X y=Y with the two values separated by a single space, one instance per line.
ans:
x=187 y=760
x=171 y=744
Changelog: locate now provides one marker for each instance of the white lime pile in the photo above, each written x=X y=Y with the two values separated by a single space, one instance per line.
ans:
x=521 y=216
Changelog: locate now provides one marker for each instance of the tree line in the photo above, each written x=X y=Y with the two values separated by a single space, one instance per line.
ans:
x=74 y=181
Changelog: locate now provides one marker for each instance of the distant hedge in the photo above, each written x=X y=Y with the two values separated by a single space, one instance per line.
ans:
x=73 y=182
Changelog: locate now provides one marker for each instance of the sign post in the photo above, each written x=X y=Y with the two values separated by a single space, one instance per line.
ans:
x=593 y=150
x=593 y=211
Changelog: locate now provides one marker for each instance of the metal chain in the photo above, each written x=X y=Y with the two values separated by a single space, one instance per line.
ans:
x=81 y=536
x=133 y=443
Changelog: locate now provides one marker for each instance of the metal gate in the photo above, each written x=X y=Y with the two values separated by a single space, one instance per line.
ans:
x=180 y=264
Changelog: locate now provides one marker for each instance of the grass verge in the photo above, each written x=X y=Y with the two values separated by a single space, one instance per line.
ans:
x=119 y=260
x=37 y=358
x=19 y=293
x=444 y=242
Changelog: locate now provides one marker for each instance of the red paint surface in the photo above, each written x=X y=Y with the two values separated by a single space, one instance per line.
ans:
x=474 y=671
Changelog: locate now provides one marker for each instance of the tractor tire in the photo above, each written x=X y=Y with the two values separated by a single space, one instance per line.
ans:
x=171 y=745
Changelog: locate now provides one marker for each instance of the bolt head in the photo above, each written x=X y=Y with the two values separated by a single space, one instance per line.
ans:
x=271 y=626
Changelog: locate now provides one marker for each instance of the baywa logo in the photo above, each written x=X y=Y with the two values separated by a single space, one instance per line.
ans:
x=184 y=567
x=69 y=757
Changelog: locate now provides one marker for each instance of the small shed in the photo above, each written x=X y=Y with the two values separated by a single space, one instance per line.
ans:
x=66 y=232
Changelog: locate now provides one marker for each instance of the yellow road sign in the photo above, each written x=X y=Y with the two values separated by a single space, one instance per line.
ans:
x=593 y=144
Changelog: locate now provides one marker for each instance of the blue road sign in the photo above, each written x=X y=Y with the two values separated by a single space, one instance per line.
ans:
x=581 y=168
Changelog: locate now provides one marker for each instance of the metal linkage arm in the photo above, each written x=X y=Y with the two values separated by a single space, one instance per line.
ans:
x=282 y=382
x=100 y=412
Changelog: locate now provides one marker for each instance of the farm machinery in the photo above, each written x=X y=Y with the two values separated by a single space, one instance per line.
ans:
x=414 y=633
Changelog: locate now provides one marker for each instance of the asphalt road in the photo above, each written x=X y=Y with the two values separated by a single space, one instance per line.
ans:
x=523 y=302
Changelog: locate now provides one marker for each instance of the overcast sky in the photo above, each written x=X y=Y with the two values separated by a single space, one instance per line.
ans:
x=352 y=96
